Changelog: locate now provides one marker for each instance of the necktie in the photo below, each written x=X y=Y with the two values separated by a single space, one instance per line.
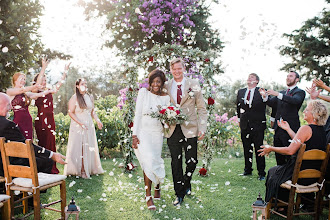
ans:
x=179 y=94
x=287 y=91
x=248 y=97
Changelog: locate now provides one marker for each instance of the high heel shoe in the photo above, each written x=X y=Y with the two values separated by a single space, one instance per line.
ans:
x=150 y=207
x=157 y=194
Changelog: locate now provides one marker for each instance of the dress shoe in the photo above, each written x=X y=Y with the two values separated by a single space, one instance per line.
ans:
x=261 y=177
x=246 y=173
x=178 y=201
x=188 y=191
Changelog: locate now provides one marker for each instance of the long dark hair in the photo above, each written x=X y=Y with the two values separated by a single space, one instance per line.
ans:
x=153 y=75
x=80 y=98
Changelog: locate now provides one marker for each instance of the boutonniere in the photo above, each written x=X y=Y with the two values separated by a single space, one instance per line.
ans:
x=191 y=93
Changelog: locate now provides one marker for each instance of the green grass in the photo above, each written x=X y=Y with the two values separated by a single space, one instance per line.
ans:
x=124 y=194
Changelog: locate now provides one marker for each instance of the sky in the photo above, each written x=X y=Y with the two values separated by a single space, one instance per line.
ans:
x=251 y=31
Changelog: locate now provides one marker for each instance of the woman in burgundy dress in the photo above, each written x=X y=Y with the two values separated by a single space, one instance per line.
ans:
x=20 y=97
x=44 y=123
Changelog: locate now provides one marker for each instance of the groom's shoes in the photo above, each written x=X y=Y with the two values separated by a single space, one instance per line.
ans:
x=178 y=201
x=188 y=191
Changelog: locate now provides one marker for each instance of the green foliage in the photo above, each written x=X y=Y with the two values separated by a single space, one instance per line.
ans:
x=19 y=41
x=309 y=48
x=106 y=103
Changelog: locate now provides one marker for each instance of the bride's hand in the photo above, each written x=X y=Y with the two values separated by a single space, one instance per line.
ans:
x=135 y=141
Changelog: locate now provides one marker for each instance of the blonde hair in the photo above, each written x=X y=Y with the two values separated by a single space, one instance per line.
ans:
x=319 y=112
x=15 y=77
x=176 y=60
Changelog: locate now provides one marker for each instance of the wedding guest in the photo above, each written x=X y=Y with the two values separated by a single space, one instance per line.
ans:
x=313 y=135
x=83 y=157
x=148 y=134
x=11 y=132
x=20 y=97
x=251 y=109
x=317 y=94
x=44 y=123
x=184 y=136
x=286 y=105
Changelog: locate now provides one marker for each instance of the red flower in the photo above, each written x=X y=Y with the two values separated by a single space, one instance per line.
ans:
x=130 y=125
x=210 y=101
x=130 y=166
x=162 y=111
x=177 y=112
x=207 y=60
x=130 y=89
x=171 y=108
x=151 y=59
x=202 y=171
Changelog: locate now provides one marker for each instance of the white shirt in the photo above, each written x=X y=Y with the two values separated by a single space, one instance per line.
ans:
x=249 y=102
x=174 y=89
x=280 y=95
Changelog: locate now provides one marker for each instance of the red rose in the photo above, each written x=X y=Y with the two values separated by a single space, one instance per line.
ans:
x=210 y=101
x=171 y=108
x=162 y=111
x=130 y=125
x=151 y=59
x=130 y=89
x=130 y=166
x=207 y=60
x=177 y=112
x=202 y=171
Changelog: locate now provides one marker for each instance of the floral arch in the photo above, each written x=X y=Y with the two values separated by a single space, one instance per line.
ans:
x=201 y=65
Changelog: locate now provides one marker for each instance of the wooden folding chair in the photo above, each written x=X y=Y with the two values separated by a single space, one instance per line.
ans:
x=297 y=190
x=28 y=179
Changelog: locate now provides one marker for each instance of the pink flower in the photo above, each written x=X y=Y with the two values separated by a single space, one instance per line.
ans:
x=177 y=112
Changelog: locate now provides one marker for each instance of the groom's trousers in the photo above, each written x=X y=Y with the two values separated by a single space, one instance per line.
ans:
x=176 y=143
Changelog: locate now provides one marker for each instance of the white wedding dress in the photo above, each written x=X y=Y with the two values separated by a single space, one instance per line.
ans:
x=150 y=133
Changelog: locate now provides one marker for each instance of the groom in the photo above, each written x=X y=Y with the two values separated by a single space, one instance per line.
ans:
x=187 y=93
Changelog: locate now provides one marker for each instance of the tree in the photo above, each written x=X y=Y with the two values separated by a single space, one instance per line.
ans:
x=138 y=25
x=19 y=42
x=309 y=48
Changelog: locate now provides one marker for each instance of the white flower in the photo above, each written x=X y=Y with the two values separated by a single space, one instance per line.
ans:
x=227 y=183
x=191 y=94
x=138 y=11
x=5 y=49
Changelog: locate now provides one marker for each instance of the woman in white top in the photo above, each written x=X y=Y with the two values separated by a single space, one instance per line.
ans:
x=148 y=134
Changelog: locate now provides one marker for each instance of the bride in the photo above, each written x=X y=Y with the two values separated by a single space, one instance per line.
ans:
x=148 y=134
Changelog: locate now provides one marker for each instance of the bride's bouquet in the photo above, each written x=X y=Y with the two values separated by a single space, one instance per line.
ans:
x=169 y=115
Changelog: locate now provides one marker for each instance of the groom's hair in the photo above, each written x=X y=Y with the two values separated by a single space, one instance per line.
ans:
x=176 y=60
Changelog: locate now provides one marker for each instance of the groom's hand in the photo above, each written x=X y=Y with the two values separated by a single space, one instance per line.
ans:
x=201 y=135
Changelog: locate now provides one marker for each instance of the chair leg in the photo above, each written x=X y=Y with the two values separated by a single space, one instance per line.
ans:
x=291 y=204
x=317 y=206
x=36 y=204
x=297 y=205
x=268 y=207
x=63 y=198
x=9 y=206
x=25 y=203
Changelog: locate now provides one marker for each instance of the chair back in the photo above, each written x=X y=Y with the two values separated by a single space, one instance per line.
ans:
x=315 y=155
x=19 y=150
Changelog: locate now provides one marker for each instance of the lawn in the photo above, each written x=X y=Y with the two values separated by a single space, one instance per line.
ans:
x=117 y=195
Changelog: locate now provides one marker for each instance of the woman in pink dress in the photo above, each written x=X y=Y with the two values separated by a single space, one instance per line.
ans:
x=20 y=97
x=44 y=124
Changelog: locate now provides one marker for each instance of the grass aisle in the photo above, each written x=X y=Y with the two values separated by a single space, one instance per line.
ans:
x=222 y=195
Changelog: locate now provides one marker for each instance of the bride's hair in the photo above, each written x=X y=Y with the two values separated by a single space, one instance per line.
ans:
x=153 y=75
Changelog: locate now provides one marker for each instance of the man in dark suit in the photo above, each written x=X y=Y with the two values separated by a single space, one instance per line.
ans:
x=252 y=120
x=286 y=105
x=10 y=131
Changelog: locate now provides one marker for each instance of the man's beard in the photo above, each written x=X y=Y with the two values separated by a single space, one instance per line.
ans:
x=290 y=84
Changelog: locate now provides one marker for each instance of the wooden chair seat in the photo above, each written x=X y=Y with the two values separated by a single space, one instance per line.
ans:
x=301 y=188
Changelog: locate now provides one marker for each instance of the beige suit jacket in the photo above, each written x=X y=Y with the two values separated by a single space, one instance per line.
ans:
x=191 y=105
